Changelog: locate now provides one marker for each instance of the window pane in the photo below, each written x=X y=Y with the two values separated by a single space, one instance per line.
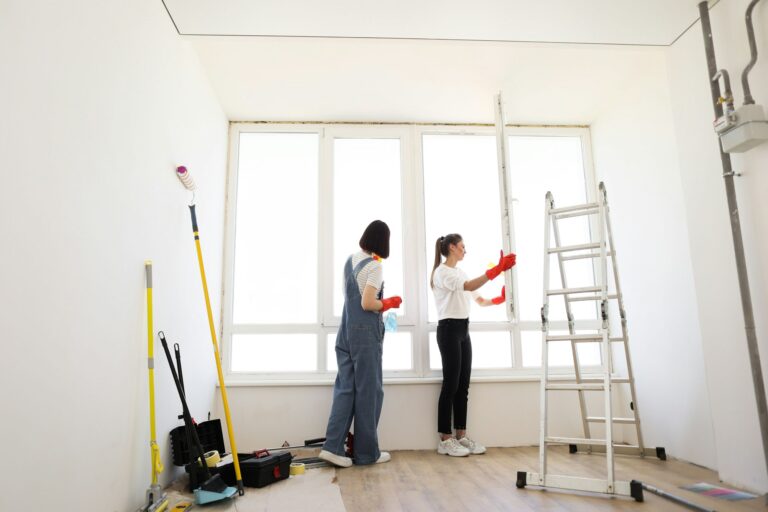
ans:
x=537 y=165
x=461 y=195
x=397 y=354
x=274 y=352
x=435 y=363
x=559 y=351
x=366 y=187
x=490 y=349
x=276 y=231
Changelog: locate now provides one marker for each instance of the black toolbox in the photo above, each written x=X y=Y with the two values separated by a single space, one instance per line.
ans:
x=258 y=469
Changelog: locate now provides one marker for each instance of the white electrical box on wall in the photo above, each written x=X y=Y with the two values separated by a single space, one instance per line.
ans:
x=750 y=129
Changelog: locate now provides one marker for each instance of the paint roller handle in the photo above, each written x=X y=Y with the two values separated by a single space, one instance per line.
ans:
x=194 y=218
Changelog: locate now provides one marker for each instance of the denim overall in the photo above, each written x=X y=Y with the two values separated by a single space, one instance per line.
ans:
x=358 y=392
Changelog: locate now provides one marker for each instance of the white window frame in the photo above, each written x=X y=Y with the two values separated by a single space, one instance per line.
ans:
x=415 y=261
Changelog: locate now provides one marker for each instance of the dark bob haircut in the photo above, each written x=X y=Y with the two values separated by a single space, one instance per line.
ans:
x=376 y=239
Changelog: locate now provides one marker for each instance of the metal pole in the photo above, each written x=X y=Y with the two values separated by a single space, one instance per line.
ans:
x=676 y=499
x=738 y=243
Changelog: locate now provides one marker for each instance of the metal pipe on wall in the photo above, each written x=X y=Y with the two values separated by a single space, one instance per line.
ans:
x=738 y=243
x=748 y=100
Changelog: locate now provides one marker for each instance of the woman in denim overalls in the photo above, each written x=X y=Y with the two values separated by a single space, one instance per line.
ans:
x=358 y=392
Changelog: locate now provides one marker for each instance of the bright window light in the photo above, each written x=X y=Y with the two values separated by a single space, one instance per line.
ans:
x=396 y=352
x=273 y=353
x=490 y=349
x=560 y=354
x=275 y=274
x=287 y=266
x=461 y=195
x=539 y=164
x=366 y=187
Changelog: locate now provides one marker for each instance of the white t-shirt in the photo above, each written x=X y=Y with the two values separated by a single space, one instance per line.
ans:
x=370 y=275
x=451 y=299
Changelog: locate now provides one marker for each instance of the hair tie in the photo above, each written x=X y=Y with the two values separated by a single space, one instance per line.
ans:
x=442 y=238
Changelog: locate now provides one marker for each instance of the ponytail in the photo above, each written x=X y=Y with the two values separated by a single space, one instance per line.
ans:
x=442 y=248
x=437 y=261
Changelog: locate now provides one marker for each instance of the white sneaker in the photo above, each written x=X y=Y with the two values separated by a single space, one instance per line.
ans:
x=384 y=457
x=474 y=447
x=336 y=460
x=452 y=447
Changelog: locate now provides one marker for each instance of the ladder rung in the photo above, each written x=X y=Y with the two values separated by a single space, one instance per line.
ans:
x=579 y=247
x=587 y=255
x=595 y=419
x=575 y=208
x=617 y=380
x=590 y=297
x=575 y=387
x=574 y=440
x=576 y=337
x=580 y=213
x=617 y=338
x=568 y=291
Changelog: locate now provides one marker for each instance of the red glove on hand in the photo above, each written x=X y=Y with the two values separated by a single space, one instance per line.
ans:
x=501 y=298
x=390 y=302
x=505 y=263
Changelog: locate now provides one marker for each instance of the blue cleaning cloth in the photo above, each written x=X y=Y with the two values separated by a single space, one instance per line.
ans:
x=390 y=322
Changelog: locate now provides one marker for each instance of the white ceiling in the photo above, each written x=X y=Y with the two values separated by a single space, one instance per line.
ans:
x=290 y=79
x=632 y=22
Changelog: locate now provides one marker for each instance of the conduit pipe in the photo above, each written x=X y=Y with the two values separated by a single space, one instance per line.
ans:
x=738 y=243
x=748 y=100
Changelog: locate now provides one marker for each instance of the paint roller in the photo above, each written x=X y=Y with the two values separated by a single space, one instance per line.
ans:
x=186 y=179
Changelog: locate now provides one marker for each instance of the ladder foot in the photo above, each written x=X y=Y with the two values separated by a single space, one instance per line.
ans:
x=661 y=453
x=521 y=479
x=572 y=448
x=636 y=490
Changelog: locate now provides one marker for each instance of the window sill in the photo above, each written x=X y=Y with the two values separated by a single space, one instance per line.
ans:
x=239 y=382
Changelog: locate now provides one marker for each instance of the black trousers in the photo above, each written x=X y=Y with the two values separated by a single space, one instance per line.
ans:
x=456 y=353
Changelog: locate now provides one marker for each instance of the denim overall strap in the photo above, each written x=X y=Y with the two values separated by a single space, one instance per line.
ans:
x=358 y=391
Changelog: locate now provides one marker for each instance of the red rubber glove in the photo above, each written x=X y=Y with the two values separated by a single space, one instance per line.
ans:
x=505 y=263
x=501 y=298
x=390 y=302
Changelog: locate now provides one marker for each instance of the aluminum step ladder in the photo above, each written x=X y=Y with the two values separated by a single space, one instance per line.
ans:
x=598 y=250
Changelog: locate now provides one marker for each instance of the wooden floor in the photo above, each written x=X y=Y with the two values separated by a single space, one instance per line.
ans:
x=425 y=481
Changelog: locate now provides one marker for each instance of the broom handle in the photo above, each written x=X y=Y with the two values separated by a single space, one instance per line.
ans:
x=187 y=417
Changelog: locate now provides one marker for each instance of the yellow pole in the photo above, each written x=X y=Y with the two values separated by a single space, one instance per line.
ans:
x=212 y=328
x=157 y=465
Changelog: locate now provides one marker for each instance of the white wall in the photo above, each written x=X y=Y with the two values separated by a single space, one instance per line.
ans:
x=100 y=101
x=500 y=414
x=736 y=429
x=634 y=152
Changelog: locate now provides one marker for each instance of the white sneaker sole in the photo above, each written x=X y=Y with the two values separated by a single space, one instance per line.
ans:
x=336 y=460
x=452 y=454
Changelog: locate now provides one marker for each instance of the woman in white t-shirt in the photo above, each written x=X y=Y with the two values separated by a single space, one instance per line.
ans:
x=452 y=289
